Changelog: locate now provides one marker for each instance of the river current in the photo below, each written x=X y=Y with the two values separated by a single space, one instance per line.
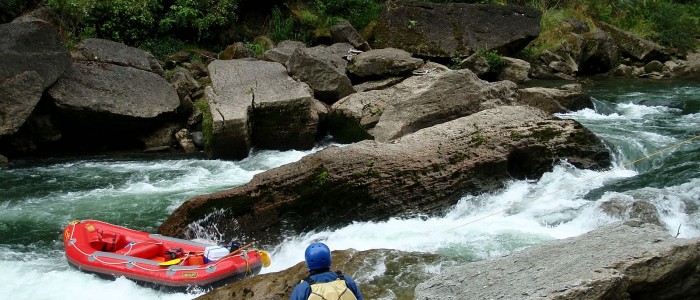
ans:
x=637 y=118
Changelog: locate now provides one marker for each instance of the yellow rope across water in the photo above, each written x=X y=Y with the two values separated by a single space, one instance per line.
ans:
x=577 y=183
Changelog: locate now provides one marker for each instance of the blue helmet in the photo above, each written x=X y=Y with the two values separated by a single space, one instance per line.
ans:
x=318 y=256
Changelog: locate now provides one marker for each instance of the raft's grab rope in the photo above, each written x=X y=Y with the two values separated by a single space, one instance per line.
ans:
x=577 y=183
x=243 y=255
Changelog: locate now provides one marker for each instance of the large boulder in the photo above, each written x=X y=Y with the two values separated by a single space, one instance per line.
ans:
x=634 y=46
x=98 y=88
x=32 y=58
x=451 y=30
x=112 y=96
x=424 y=172
x=690 y=68
x=557 y=100
x=255 y=102
x=417 y=102
x=386 y=62
x=32 y=46
x=323 y=70
x=515 y=70
x=282 y=51
x=600 y=53
x=630 y=260
x=343 y=32
x=19 y=94
x=116 y=53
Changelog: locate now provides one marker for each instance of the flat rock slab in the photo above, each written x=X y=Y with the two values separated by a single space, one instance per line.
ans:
x=238 y=87
x=113 y=89
x=631 y=260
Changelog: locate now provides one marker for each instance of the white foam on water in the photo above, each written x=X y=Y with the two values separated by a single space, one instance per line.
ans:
x=522 y=214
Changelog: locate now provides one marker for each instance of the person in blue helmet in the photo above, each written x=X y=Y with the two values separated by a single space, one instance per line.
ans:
x=322 y=283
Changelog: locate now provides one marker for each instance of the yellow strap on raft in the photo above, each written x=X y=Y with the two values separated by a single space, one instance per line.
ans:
x=170 y=262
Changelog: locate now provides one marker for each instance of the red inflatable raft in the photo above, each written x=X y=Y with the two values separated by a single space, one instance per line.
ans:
x=155 y=260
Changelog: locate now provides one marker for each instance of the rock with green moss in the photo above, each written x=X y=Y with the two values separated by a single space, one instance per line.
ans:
x=445 y=31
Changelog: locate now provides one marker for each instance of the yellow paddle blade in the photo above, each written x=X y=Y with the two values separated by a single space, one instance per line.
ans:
x=265 y=258
x=170 y=262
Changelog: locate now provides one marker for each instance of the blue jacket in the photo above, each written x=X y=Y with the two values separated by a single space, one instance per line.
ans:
x=303 y=290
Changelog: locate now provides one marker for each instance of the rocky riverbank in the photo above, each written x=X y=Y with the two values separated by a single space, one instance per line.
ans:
x=627 y=260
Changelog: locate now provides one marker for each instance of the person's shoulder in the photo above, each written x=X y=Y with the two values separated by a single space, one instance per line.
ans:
x=301 y=290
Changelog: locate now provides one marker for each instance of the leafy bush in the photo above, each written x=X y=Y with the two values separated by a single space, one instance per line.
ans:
x=161 y=48
x=258 y=49
x=125 y=21
x=358 y=12
x=198 y=17
x=283 y=28
x=676 y=26
x=495 y=60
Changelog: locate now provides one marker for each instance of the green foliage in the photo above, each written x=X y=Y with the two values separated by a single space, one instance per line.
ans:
x=161 y=48
x=118 y=20
x=495 y=60
x=207 y=122
x=456 y=61
x=258 y=49
x=199 y=17
x=676 y=26
x=283 y=28
x=322 y=177
x=358 y=12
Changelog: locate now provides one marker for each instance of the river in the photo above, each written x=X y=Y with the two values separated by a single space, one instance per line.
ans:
x=636 y=118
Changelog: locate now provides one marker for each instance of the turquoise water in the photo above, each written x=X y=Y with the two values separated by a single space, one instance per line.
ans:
x=636 y=118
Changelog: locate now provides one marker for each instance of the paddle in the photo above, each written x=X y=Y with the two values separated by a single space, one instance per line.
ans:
x=238 y=250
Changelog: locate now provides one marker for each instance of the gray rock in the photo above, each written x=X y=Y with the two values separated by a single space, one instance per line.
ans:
x=625 y=71
x=417 y=102
x=553 y=100
x=106 y=51
x=258 y=93
x=477 y=63
x=450 y=30
x=198 y=139
x=629 y=260
x=654 y=66
x=634 y=46
x=323 y=71
x=19 y=94
x=343 y=32
x=600 y=54
x=32 y=46
x=515 y=70
x=160 y=137
x=236 y=50
x=386 y=62
x=93 y=87
x=184 y=139
x=691 y=67
x=377 y=84
x=282 y=52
